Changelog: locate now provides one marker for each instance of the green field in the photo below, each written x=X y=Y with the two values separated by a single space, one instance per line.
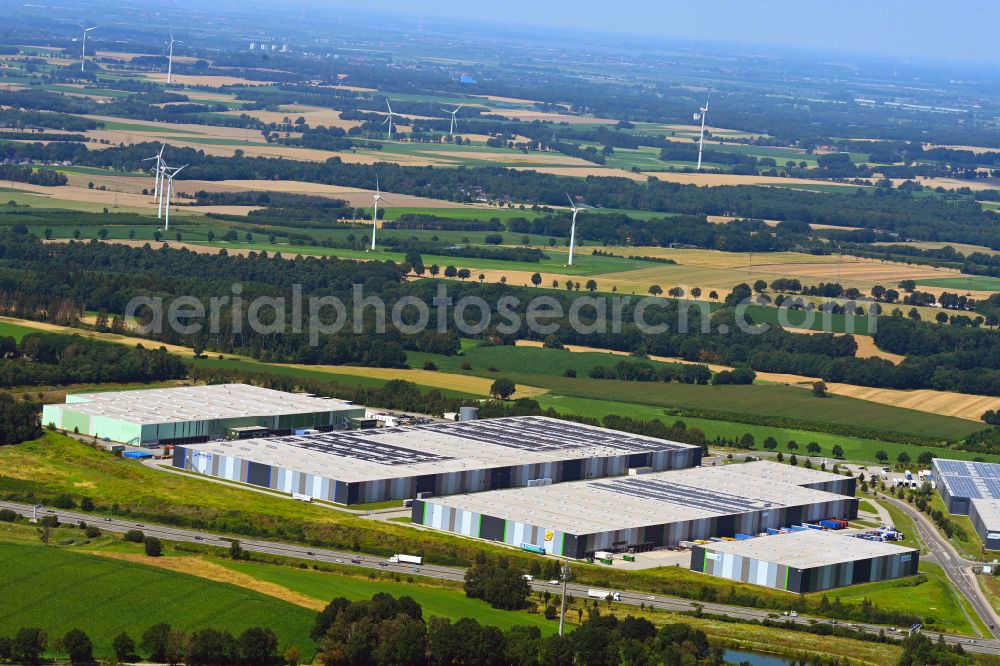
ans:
x=535 y=366
x=961 y=284
x=15 y=331
x=855 y=448
x=936 y=600
x=443 y=602
x=58 y=590
x=765 y=400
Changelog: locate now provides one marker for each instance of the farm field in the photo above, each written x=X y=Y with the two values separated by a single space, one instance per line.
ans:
x=436 y=601
x=58 y=590
x=983 y=283
x=544 y=368
x=855 y=448
x=765 y=400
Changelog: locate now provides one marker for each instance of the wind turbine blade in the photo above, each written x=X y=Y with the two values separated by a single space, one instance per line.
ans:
x=179 y=169
x=447 y=111
x=376 y=184
x=387 y=119
x=571 y=202
x=459 y=107
x=388 y=105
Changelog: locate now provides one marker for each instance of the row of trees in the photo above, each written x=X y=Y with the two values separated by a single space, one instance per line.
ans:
x=390 y=631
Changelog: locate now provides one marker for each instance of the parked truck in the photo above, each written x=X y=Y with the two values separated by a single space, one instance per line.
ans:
x=302 y=498
x=400 y=558
x=603 y=555
x=604 y=594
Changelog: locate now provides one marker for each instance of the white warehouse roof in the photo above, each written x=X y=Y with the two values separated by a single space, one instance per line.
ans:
x=198 y=403
x=807 y=549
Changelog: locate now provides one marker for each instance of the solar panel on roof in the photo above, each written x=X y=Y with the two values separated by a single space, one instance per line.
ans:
x=361 y=447
x=667 y=491
x=539 y=434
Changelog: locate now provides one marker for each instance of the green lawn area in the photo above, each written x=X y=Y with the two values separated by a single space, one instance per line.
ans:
x=866 y=506
x=961 y=284
x=58 y=590
x=139 y=127
x=14 y=330
x=443 y=602
x=826 y=322
x=934 y=599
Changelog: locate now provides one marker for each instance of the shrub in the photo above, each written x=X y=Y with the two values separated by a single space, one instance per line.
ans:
x=135 y=536
x=152 y=546
x=7 y=515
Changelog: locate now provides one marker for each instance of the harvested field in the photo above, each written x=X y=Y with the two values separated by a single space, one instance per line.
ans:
x=109 y=337
x=128 y=57
x=354 y=196
x=853 y=271
x=945 y=403
x=517 y=158
x=508 y=100
x=444 y=380
x=527 y=115
x=208 y=81
x=954 y=183
x=314 y=115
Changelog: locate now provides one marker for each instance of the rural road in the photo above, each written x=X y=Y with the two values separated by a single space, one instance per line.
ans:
x=958 y=569
x=446 y=573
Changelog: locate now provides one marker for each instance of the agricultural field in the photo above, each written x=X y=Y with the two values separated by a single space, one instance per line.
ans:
x=980 y=283
x=59 y=589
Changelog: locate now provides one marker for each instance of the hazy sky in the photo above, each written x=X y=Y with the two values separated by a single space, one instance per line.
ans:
x=960 y=29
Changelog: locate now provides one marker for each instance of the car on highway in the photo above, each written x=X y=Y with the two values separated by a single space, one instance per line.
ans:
x=355 y=560
x=339 y=561
x=415 y=569
x=383 y=564
x=553 y=582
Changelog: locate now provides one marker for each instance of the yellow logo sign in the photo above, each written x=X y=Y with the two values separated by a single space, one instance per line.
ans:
x=548 y=535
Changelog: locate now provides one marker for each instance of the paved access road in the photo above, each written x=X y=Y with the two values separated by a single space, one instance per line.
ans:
x=447 y=573
x=958 y=569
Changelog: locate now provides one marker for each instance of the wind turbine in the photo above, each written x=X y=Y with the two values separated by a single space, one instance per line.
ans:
x=83 y=53
x=170 y=58
x=703 y=112
x=170 y=191
x=452 y=131
x=577 y=207
x=159 y=170
x=376 y=197
x=389 y=119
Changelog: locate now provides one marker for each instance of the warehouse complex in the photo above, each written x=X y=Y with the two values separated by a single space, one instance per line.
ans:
x=644 y=511
x=195 y=413
x=804 y=561
x=972 y=489
x=361 y=466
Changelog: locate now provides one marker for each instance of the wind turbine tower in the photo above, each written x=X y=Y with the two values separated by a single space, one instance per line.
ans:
x=170 y=59
x=452 y=113
x=83 y=52
x=170 y=191
x=703 y=112
x=389 y=119
x=374 y=207
x=577 y=207
x=159 y=171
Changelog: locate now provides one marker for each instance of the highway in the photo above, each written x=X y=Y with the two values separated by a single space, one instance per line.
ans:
x=119 y=525
x=958 y=569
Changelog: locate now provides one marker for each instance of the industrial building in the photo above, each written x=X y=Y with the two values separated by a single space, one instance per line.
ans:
x=971 y=489
x=645 y=511
x=804 y=561
x=361 y=466
x=195 y=413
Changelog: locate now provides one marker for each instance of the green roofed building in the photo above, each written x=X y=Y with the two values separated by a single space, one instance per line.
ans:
x=192 y=414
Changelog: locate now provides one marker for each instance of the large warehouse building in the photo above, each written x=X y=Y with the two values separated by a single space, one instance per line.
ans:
x=971 y=489
x=644 y=511
x=806 y=561
x=440 y=458
x=194 y=413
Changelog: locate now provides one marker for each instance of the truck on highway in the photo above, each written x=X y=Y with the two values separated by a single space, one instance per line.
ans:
x=400 y=558
x=604 y=594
